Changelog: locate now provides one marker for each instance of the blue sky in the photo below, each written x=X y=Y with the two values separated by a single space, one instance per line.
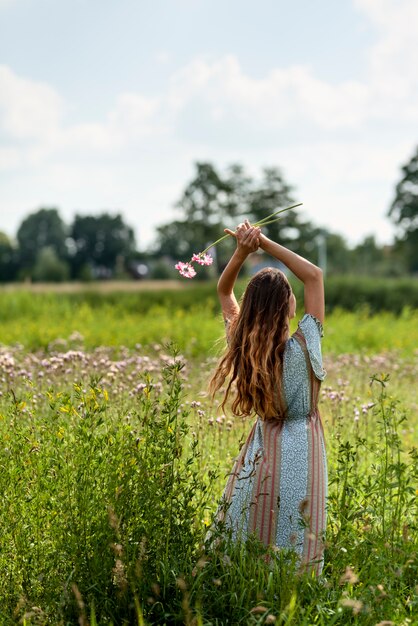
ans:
x=105 y=104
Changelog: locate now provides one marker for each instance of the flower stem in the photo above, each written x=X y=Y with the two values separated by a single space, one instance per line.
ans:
x=263 y=222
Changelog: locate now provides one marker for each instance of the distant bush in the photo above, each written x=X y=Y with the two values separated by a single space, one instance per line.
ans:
x=376 y=294
x=49 y=267
x=349 y=293
x=345 y=292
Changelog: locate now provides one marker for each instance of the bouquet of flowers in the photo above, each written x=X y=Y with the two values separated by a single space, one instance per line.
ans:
x=203 y=258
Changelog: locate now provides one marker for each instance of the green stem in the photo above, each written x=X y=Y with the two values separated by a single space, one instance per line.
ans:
x=263 y=222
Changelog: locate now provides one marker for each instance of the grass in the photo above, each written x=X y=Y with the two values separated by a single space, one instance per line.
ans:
x=113 y=459
x=191 y=320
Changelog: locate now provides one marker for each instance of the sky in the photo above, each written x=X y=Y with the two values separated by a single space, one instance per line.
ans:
x=105 y=105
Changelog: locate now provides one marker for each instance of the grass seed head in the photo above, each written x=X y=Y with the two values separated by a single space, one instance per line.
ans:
x=349 y=577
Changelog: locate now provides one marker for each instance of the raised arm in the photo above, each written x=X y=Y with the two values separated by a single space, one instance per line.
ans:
x=247 y=237
x=307 y=272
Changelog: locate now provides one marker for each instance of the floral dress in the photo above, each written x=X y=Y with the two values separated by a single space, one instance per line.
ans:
x=277 y=489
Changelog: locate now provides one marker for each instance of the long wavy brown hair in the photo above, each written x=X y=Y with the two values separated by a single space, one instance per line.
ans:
x=252 y=364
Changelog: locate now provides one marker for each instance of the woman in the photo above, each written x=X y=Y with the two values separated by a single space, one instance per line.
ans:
x=278 y=486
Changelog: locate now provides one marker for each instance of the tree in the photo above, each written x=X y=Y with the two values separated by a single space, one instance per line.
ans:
x=269 y=195
x=8 y=260
x=49 y=267
x=41 y=229
x=213 y=200
x=100 y=243
x=206 y=203
x=338 y=256
x=404 y=212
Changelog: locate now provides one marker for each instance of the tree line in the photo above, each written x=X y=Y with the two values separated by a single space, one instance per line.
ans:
x=47 y=249
x=104 y=246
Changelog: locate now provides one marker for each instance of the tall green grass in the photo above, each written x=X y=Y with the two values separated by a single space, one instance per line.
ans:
x=113 y=459
x=38 y=320
x=111 y=470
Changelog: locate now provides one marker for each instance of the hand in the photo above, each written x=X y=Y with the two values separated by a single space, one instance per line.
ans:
x=247 y=236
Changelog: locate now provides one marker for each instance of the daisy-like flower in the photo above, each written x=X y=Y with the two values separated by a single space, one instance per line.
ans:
x=185 y=269
x=202 y=259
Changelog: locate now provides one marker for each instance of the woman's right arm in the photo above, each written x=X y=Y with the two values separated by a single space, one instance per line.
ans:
x=307 y=272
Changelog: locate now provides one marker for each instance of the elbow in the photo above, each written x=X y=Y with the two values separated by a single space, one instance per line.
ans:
x=319 y=273
x=222 y=289
x=316 y=274
x=223 y=292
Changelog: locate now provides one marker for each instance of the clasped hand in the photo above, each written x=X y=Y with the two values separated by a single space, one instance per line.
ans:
x=247 y=236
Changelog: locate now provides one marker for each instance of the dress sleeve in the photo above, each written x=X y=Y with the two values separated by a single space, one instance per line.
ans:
x=312 y=330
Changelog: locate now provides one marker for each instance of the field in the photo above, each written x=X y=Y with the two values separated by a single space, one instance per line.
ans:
x=113 y=459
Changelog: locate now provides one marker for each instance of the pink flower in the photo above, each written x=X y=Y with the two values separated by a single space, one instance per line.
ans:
x=186 y=269
x=202 y=259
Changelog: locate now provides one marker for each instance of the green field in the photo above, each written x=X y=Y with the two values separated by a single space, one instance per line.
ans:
x=113 y=458
x=190 y=317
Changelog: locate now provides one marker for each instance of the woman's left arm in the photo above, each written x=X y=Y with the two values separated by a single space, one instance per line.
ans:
x=247 y=237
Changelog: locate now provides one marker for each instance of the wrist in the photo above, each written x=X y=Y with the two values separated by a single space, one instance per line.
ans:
x=263 y=241
x=240 y=254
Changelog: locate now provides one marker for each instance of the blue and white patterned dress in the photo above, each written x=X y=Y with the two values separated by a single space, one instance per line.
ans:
x=278 y=486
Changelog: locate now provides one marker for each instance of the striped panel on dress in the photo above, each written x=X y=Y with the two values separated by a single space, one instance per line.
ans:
x=266 y=487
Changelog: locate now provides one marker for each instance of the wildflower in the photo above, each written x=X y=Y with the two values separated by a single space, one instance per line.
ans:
x=259 y=609
x=119 y=575
x=156 y=589
x=349 y=576
x=351 y=603
x=181 y=584
x=186 y=269
x=202 y=259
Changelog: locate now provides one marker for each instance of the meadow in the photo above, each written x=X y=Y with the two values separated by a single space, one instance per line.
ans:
x=113 y=459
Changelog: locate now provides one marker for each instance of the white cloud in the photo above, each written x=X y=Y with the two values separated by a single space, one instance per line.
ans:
x=29 y=110
x=135 y=117
x=392 y=59
x=284 y=95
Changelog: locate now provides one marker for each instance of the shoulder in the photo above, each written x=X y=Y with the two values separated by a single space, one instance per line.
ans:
x=310 y=325
x=309 y=333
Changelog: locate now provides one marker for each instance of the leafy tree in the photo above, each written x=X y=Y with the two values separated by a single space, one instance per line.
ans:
x=206 y=203
x=39 y=230
x=100 y=242
x=268 y=196
x=338 y=255
x=8 y=260
x=49 y=267
x=404 y=212
x=213 y=200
